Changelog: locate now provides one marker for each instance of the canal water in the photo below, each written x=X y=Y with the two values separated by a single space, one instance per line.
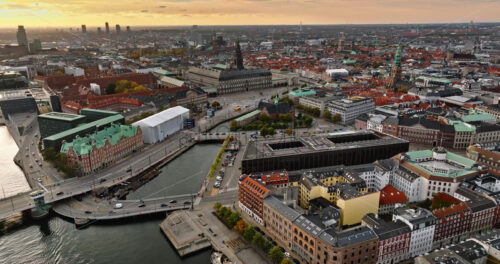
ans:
x=129 y=241
x=12 y=178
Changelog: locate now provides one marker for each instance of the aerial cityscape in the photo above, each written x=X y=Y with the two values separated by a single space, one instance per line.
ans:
x=249 y=132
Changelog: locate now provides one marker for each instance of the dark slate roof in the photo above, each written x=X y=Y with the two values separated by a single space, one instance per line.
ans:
x=281 y=208
x=391 y=229
x=487 y=128
x=469 y=250
x=245 y=73
x=355 y=236
x=427 y=123
x=464 y=56
x=363 y=117
x=476 y=201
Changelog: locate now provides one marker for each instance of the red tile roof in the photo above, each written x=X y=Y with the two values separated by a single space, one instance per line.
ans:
x=391 y=195
x=255 y=187
x=269 y=179
x=460 y=208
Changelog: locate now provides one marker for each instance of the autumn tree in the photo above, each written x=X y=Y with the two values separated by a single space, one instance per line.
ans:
x=240 y=226
x=215 y=104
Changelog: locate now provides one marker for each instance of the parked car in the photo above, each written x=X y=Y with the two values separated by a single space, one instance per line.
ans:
x=164 y=205
x=88 y=212
x=142 y=205
x=172 y=201
x=218 y=178
x=118 y=206
x=39 y=179
x=187 y=202
x=59 y=193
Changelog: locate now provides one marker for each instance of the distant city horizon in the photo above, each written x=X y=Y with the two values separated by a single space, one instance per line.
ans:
x=92 y=27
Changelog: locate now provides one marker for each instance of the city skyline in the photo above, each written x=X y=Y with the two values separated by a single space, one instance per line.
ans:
x=94 y=13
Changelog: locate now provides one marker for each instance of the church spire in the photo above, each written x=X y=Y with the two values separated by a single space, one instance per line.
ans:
x=239 y=57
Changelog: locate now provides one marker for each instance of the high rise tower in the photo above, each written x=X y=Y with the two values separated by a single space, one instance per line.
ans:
x=99 y=30
x=396 y=69
x=128 y=29
x=22 y=39
x=84 y=29
x=239 y=57
x=118 y=29
x=107 y=28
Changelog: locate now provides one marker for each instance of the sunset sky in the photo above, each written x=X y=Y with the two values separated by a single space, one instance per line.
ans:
x=73 y=13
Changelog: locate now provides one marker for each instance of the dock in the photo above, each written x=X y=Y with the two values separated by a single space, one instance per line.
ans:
x=184 y=234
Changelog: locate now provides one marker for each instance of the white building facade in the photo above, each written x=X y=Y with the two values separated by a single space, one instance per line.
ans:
x=161 y=125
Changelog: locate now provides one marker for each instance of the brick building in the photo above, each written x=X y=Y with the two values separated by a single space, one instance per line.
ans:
x=452 y=223
x=102 y=148
x=251 y=196
x=394 y=239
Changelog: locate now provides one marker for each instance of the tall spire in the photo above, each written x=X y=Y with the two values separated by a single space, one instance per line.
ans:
x=239 y=57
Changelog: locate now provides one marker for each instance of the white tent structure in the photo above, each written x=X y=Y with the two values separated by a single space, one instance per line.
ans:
x=159 y=126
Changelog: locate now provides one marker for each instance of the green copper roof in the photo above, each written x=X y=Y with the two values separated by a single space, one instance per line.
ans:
x=397 y=57
x=418 y=159
x=349 y=61
x=112 y=134
x=478 y=117
x=246 y=116
x=300 y=92
x=464 y=127
x=221 y=66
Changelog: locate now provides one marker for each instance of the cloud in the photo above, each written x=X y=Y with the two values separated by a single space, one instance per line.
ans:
x=162 y=6
x=144 y=11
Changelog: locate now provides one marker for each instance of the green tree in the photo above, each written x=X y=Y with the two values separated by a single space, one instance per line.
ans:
x=267 y=245
x=249 y=233
x=49 y=154
x=217 y=205
x=316 y=112
x=286 y=261
x=233 y=219
x=215 y=105
x=289 y=132
x=286 y=118
x=308 y=121
x=336 y=118
x=276 y=254
x=265 y=118
x=222 y=211
x=111 y=88
x=327 y=114
x=258 y=240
